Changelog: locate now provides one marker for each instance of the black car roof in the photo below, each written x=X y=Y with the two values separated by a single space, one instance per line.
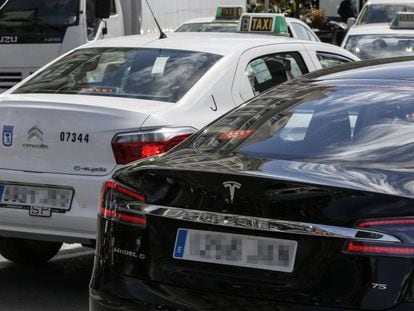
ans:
x=396 y=68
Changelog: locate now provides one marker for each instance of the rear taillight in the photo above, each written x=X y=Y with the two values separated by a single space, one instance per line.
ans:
x=128 y=147
x=116 y=204
x=366 y=248
x=402 y=229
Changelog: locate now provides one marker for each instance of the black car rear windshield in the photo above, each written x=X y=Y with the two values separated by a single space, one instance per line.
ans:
x=153 y=74
x=363 y=124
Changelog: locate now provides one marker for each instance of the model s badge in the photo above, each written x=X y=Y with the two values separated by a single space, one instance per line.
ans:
x=232 y=186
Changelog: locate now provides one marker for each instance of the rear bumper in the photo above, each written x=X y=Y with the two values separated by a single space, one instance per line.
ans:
x=78 y=225
x=110 y=291
x=98 y=302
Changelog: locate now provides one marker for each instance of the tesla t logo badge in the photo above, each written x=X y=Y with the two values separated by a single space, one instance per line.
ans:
x=8 y=135
x=35 y=132
x=232 y=186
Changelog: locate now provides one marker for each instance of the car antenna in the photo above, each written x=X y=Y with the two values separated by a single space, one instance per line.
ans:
x=162 y=34
x=4 y=4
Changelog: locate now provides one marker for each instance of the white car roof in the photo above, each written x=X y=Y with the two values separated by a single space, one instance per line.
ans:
x=393 y=2
x=215 y=43
x=212 y=19
x=373 y=29
x=209 y=19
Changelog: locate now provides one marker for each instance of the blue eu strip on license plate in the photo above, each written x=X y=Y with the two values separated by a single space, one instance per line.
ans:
x=235 y=250
x=180 y=243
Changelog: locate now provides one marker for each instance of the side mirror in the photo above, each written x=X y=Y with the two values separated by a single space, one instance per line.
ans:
x=350 y=22
x=102 y=8
x=246 y=90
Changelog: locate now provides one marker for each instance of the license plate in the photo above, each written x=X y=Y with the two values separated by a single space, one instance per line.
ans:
x=235 y=250
x=40 y=211
x=40 y=201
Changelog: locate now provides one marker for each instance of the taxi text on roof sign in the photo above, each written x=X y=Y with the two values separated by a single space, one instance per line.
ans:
x=264 y=23
x=229 y=12
x=403 y=20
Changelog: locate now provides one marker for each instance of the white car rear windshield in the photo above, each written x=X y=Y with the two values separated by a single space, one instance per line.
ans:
x=153 y=74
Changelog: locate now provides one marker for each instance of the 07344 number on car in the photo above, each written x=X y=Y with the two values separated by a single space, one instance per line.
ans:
x=74 y=137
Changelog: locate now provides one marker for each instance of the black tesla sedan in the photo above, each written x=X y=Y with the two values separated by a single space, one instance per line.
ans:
x=301 y=199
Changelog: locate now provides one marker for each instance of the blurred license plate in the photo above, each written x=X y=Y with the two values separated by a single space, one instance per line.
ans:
x=40 y=201
x=235 y=249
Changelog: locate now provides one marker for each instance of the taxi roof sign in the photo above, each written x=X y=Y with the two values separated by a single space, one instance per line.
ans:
x=403 y=20
x=264 y=23
x=229 y=11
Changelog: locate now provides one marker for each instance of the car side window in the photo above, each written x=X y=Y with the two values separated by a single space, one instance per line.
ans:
x=113 y=7
x=301 y=32
x=330 y=59
x=92 y=23
x=312 y=36
x=267 y=71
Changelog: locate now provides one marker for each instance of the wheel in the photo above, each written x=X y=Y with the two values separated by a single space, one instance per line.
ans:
x=25 y=251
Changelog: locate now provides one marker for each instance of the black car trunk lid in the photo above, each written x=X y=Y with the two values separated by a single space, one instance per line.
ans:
x=322 y=273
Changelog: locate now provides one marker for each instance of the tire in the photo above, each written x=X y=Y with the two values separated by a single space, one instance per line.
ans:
x=23 y=251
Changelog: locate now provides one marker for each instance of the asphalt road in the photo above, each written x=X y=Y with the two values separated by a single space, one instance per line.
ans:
x=59 y=285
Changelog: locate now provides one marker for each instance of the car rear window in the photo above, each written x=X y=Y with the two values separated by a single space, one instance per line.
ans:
x=383 y=12
x=208 y=27
x=153 y=74
x=363 y=124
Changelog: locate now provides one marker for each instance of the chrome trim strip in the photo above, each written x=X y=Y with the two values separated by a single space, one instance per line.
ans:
x=265 y=224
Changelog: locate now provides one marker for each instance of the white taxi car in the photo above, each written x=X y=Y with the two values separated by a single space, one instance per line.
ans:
x=383 y=40
x=382 y=11
x=227 y=20
x=67 y=127
x=375 y=18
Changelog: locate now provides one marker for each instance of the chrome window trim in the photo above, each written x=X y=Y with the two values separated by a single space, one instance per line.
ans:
x=264 y=224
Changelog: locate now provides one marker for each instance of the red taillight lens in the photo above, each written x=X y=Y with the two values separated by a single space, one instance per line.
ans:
x=364 y=248
x=129 y=147
x=385 y=222
x=114 y=204
x=402 y=229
